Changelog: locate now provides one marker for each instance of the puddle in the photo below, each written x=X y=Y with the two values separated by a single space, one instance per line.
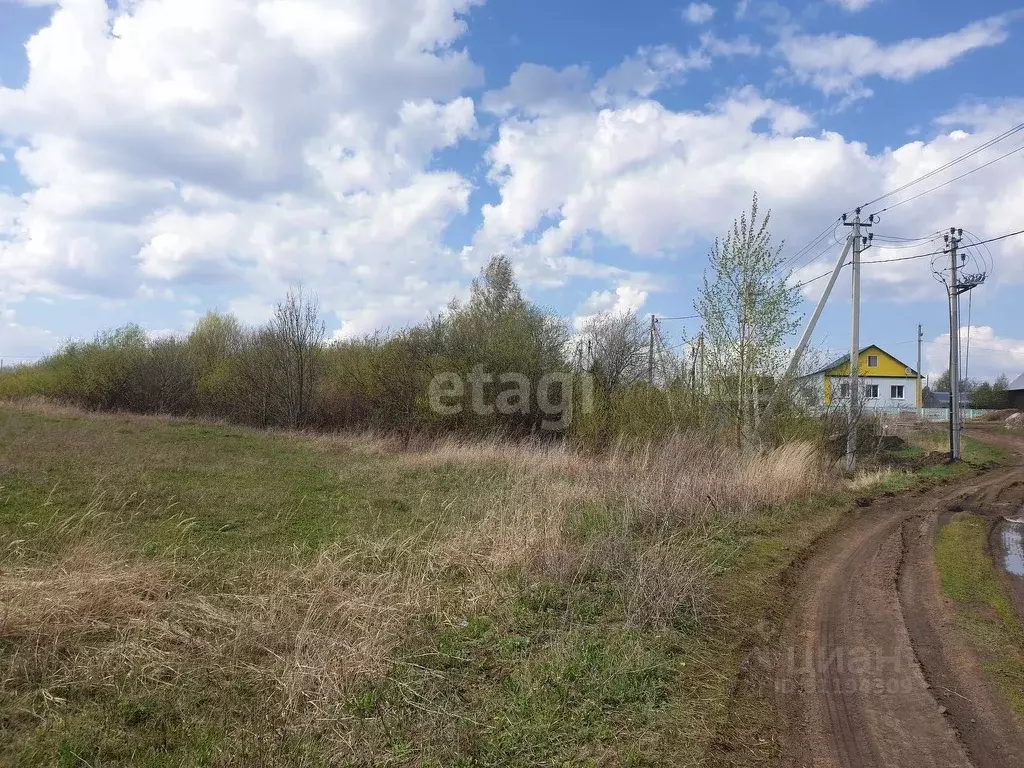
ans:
x=1013 y=547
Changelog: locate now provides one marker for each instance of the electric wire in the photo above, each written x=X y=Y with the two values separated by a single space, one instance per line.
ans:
x=950 y=181
x=967 y=155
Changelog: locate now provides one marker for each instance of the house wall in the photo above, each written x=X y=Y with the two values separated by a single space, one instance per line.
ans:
x=887 y=365
x=1016 y=398
x=884 y=384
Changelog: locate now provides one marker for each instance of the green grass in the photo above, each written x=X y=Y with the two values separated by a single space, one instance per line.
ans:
x=238 y=491
x=983 y=609
x=549 y=673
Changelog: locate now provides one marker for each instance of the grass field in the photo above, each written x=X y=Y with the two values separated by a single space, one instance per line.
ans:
x=177 y=593
x=983 y=609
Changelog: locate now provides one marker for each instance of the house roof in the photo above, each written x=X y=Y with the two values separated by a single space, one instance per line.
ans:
x=1016 y=384
x=846 y=359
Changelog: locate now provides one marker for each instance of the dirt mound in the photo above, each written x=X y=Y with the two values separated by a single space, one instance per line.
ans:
x=1001 y=415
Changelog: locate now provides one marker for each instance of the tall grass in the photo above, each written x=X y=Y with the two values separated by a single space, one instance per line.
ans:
x=83 y=613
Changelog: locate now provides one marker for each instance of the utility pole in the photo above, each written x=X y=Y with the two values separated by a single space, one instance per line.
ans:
x=959 y=284
x=739 y=383
x=650 y=352
x=794 y=361
x=755 y=382
x=953 y=241
x=919 y=398
x=858 y=247
x=702 y=384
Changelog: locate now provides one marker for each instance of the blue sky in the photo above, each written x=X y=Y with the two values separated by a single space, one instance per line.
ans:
x=165 y=157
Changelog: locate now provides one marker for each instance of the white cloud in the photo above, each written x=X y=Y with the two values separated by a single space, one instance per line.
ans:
x=659 y=182
x=626 y=297
x=22 y=344
x=539 y=90
x=839 y=63
x=536 y=90
x=650 y=70
x=853 y=6
x=990 y=356
x=252 y=143
x=699 y=13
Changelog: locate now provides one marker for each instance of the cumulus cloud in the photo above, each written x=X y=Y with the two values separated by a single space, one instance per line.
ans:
x=840 y=63
x=991 y=355
x=699 y=13
x=625 y=298
x=252 y=143
x=660 y=182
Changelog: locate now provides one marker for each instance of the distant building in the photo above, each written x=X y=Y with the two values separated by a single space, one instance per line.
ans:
x=1015 y=392
x=941 y=399
x=885 y=382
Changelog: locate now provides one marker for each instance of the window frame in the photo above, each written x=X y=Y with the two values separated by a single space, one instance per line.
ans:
x=901 y=389
x=868 y=389
x=870 y=358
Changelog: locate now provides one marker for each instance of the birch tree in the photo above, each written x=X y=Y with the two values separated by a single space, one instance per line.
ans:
x=748 y=309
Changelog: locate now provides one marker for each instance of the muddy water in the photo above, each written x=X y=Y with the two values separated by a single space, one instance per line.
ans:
x=1013 y=547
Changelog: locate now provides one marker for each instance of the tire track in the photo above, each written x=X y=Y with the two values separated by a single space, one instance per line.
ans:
x=871 y=675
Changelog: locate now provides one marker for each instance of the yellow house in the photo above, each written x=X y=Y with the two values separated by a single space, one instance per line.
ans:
x=886 y=382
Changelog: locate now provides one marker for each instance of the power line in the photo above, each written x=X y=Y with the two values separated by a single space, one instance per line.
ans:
x=791 y=260
x=815 y=279
x=947 y=166
x=955 y=178
x=1001 y=237
x=936 y=253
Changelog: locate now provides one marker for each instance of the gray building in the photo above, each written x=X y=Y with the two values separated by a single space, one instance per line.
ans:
x=1015 y=391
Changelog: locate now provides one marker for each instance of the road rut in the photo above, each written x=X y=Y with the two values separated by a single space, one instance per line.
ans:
x=871 y=674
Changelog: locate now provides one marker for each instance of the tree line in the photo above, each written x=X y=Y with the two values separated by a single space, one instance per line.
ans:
x=983 y=394
x=285 y=373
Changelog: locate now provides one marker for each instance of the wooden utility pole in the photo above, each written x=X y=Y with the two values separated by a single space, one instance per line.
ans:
x=794 y=361
x=919 y=398
x=739 y=387
x=700 y=362
x=650 y=352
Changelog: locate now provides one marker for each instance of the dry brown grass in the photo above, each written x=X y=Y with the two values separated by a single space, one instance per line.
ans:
x=306 y=633
x=303 y=633
x=650 y=511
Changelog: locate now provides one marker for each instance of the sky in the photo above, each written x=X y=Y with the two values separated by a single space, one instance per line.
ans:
x=162 y=158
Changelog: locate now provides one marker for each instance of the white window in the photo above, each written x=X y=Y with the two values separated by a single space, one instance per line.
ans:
x=896 y=391
x=872 y=361
x=844 y=389
x=871 y=391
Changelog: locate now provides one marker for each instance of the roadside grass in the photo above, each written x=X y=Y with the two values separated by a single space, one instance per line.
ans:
x=178 y=593
x=984 y=612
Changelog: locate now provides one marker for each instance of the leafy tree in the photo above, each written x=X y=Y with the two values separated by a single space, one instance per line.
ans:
x=748 y=309
x=992 y=396
x=496 y=336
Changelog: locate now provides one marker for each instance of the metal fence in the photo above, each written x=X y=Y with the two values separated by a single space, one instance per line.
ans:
x=928 y=414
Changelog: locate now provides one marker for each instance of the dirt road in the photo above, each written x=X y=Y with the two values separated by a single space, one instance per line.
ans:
x=871 y=674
